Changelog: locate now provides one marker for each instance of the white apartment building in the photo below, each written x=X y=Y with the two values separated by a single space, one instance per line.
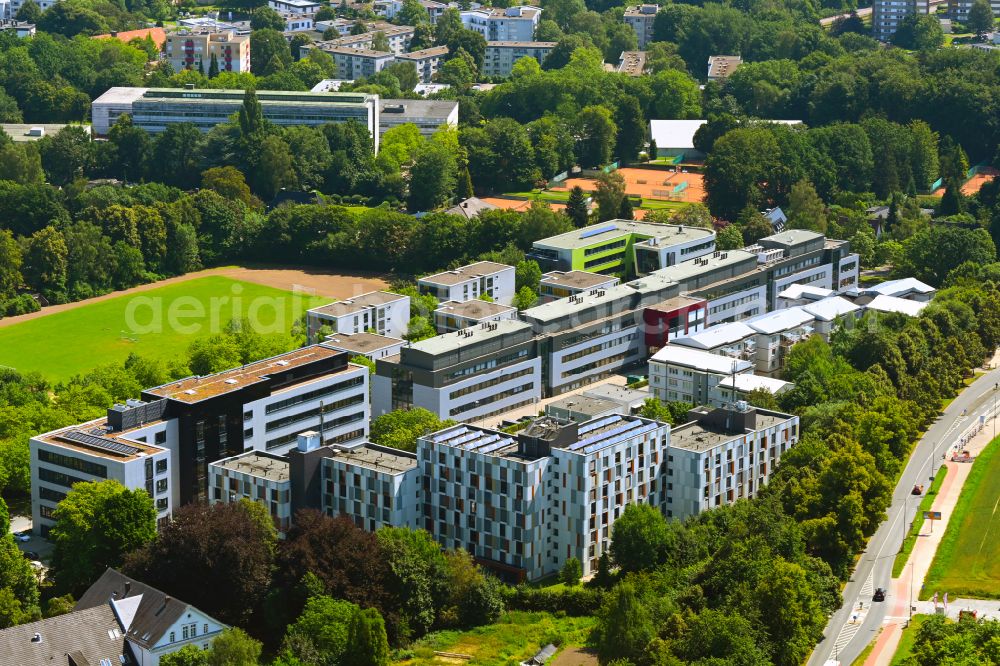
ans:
x=256 y=476
x=21 y=28
x=526 y=503
x=562 y=284
x=958 y=10
x=375 y=486
x=888 y=14
x=355 y=63
x=501 y=55
x=398 y=36
x=299 y=23
x=683 y=374
x=736 y=388
x=830 y=312
x=384 y=312
x=733 y=339
x=194 y=51
x=370 y=345
x=724 y=455
x=137 y=458
x=777 y=332
x=425 y=61
x=456 y=315
x=468 y=375
x=306 y=7
x=467 y=282
x=389 y=8
x=641 y=19
x=513 y=24
x=10 y=8
x=801 y=294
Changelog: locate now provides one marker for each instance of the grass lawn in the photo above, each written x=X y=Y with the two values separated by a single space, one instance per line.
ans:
x=967 y=563
x=907 y=640
x=159 y=323
x=918 y=523
x=517 y=636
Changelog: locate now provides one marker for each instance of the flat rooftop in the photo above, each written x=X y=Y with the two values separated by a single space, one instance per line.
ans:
x=692 y=268
x=425 y=53
x=449 y=342
x=465 y=273
x=357 y=304
x=405 y=109
x=577 y=279
x=523 y=45
x=379 y=458
x=195 y=389
x=676 y=303
x=618 y=394
x=830 y=308
x=597 y=234
x=584 y=404
x=748 y=382
x=695 y=436
x=360 y=343
x=703 y=361
x=94 y=439
x=266 y=97
x=258 y=464
x=780 y=320
x=21 y=132
x=473 y=309
x=793 y=237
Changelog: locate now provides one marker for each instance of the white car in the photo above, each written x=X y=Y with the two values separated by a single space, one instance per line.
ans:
x=22 y=536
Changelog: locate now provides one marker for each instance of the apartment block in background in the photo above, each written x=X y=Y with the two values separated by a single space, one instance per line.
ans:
x=468 y=282
x=388 y=9
x=370 y=345
x=501 y=55
x=468 y=375
x=256 y=476
x=888 y=14
x=306 y=7
x=426 y=62
x=641 y=19
x=194 y=51
x=723 y=455
x=383 y=312
x=513 y=24
x=525 y=504
x=428 y=115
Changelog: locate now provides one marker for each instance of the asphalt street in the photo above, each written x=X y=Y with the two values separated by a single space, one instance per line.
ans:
x=853 y=626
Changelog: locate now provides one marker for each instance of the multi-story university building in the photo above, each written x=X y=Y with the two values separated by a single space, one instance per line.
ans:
x=641 y=19
x=194 y=51
x=164 y=442
x=428 y=115
x=501 y=55
x=153 y=109
x=513 y=24
x=888 y=14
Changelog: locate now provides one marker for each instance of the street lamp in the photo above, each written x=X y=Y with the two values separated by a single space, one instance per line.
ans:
x=996 y=386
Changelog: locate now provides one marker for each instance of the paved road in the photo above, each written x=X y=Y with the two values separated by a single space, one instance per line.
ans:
x=850 y=629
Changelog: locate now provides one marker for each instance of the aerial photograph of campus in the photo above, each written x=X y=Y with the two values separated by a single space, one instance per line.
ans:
x=475 y=333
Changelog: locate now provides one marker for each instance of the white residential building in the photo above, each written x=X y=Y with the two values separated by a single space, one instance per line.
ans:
x=641 y=19
x=370 y=345
x=468 y=282
x=456 y=315
x=468 y=375
x=525 y=504
x=426 y=62
x=735 y=388
x=20 y=28
x=138 y=458
x=389 y=8
x=683 y=374
x=561 y=284
x=384 y=312
x=256 y=476
x=353 y=63
x=724 y=455
x=888 y=14
x=733 y=339
x=306 y=7
x=10 y=8
x=777 y=332
x=513 y=24
x=830 y=312
x=501 y=55
x=801 y=294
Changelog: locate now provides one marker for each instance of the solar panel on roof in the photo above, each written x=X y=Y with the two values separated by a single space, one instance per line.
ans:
x=649 y=427
x=590 y=233
x=594 y=425
x=629 y=425
x=100 y=443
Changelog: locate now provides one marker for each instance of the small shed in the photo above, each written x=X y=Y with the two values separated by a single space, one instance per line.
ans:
x=541 y=657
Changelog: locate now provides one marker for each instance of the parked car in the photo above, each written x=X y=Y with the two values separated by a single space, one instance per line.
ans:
x=879 y=595
x=22 y=536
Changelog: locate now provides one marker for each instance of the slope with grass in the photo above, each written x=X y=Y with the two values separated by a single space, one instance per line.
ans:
x=158 y=323
x=515 y=637
x=967 y=563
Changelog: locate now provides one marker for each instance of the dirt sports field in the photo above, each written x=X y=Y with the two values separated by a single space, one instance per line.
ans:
x=321 y=282
x=650 y=184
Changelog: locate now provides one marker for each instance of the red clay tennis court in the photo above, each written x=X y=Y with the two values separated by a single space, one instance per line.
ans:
x=974 y=184
x=651 y=184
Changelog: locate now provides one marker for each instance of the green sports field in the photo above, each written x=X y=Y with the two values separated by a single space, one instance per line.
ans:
x=967 y=563
x=158 y=323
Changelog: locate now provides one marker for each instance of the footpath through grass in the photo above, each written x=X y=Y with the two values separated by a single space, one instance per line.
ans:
x=515 y=637
x=967 y=562
x=159 y=323
x=918 y=523
x=908 y=639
